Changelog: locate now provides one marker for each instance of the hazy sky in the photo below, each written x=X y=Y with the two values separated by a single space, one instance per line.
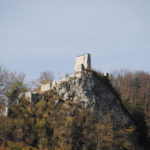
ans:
x=38 y=35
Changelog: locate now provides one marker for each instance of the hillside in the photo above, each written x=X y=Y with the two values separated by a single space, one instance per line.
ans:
x=91 y=90
x=82 y=111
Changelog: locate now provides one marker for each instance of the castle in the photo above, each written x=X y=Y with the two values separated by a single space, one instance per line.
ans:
x=82 y=62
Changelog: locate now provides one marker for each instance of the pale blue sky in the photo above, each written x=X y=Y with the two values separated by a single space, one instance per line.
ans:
x=38 y=35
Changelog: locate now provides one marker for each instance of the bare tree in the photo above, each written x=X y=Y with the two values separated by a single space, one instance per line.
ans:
x=7 y=79
x=4 y=80
x=133 y=86
x=46 y=76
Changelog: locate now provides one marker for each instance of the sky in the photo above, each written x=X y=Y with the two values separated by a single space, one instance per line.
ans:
x=47 y=35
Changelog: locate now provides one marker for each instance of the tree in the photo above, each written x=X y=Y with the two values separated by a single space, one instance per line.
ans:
x=11 y=84
x=4 y=83
x=105 y=134
x=14 y=91
x=134 y=88
x=45 y=77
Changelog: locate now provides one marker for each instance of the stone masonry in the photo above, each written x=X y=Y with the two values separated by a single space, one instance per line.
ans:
x=82 y=62
x=32 y=97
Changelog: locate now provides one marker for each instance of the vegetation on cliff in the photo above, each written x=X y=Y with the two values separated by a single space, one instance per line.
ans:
x=47 y=125
x=55 y=124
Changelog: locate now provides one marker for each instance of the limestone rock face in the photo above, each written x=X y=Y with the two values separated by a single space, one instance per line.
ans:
x=94 y=91
x=45 y=87
x=88 y=89
x=82 y=62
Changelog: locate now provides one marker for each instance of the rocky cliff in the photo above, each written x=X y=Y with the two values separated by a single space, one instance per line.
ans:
x=89 y=89
x=93 y=91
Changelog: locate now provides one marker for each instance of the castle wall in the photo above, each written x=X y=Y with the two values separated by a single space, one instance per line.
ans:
x=83 y=62
x=32 y=97
x=28 y=95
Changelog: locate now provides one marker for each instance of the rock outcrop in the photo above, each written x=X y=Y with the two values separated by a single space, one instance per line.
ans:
x=45 y=87
x=90 y=90
x=93 y=91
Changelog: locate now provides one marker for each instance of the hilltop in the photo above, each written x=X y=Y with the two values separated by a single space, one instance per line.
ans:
x=82 y=111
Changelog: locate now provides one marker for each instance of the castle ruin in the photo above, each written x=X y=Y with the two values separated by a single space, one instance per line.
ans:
x=32 y=97
x=82 y=62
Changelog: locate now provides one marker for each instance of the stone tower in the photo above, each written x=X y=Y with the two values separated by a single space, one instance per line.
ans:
x=82 y=62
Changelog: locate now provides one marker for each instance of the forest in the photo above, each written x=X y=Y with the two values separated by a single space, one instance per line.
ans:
x=47 y=126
